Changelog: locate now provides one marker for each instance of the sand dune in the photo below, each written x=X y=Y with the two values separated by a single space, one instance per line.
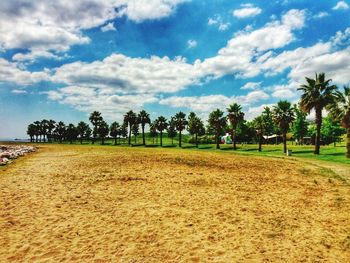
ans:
x=106 y=204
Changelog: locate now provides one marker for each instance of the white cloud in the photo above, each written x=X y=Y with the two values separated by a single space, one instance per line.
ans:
x=251 y=85
x=224 y=26
x=217 y=21
x=19 y=91
x=9 y=72
x=248 y=10
x=321 y=15
x=191 y=43
x=341 y=5
x=34 y=54
x=108 y=27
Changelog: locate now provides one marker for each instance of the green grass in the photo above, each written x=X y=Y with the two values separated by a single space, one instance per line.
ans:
x=328 y=153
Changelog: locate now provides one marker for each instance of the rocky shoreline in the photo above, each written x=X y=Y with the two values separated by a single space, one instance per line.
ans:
x=10 y=152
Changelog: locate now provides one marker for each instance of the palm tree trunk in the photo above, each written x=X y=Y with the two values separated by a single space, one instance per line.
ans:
x=161 y=138
x=115 y=140
x=217 y=141
x=196 y=140
x=260 y=142
x=348 y=143
x=318 y=130
x=285 y=142
x=180 y=139
x=143 y=135
x=135 y=139
x=234 y=139
x=129 y=139
x=81 y=140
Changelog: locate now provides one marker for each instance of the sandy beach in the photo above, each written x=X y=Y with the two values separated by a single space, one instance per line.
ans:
x=116 y=204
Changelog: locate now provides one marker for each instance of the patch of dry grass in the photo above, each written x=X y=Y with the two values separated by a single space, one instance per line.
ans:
x=105 y=204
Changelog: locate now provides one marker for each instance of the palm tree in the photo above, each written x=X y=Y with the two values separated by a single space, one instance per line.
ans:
x=283 y=115
x=50 y=127
x=135 y=130
x=340 y=111
x=161 y=124
x=153 y=131
x=103 y=131
x=143 y=119
x=317 y=94
x=95 y=118
x=195 y=126
x=172 y=130
x=31 y=131
x=130 y=118
x=124 y=130
x=82 y=128
x=44 y=128
x=217 y=122
x=180 y=123
x=114 y=131
x=259 y=124
x=60 y=130
x=37 y=130
x=71 y=133
x=235 y=116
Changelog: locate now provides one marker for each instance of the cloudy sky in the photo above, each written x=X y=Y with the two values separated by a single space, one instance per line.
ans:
x=63 y=59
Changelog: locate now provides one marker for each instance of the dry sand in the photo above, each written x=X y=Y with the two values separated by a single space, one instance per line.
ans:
x=111 y=204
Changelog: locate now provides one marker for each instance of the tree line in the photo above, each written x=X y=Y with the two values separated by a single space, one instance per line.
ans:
x=317 y=94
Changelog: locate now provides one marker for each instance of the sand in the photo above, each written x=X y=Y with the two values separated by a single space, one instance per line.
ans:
x=116 y=204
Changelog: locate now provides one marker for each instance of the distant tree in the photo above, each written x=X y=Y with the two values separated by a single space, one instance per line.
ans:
x=235 y=116
x=37 y=131
x=135 y=130
x=103 y=131
x=180 y=124
x=95 y=119
x=124 y=130
x=331 y=131
x=259 y=124
x=300 y=124
x=270 y=127
x=44 y=129
x=114 y=131
x=317 y=94
x=161 y=124
x=88 y=133
x=71 y=133
x=195 y=126
x=130 y=118
x=172 y=130
x=50 y=128
x=153 y=130
x=143 y=119
x=31 y=130
x=283 y=115
x=82 y=127
x=60 y=130
x=340 y=111
x=217 y=123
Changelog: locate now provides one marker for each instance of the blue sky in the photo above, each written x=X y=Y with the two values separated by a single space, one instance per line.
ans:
x=63 y=59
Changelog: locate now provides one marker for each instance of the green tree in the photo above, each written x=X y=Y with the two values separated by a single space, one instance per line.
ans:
x=95 y=119
x=235 y=116
x=71 y=133
x=180 y=124
x=300 y=124
x=103 y=131
x=317 y=94
x=195 y=126
x=135 y=130
x=161 y=124
x=124 y=130
x=153 y=130
x=340 y=111
x=50 y=128
x=143 y=119
x=259 y=125
x=331 y=131
x=44 y=128
x=283 y=115
x=217 y=123
x=172 y=130
x=82 y=127
x=130 y=118
x=60 y=130
x=270 y=127
x=114 y=131
x=31 y=131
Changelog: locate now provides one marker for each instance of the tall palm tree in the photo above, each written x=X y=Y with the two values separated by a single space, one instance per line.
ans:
x=135 y=131
x=180 y=123
x=130 y=118
x=195 y=126
x=171 y=130
x=50 y=128
x=60 y=130
x=217 y=122
x=317 y=94
x=37 y=130
x=71 y=133
x=95 y=118
x=44 y=128
x=153 y=130
x=114 y=131
x=340 y=111
x=31 y=131
x=124 y=131
x=235 y=116
x=143 y=119
x=82 y=127
x=161 y=124
x=103 y=131
x=283 y=115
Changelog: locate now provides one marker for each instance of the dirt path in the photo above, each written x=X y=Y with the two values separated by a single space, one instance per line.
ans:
x=106 y=204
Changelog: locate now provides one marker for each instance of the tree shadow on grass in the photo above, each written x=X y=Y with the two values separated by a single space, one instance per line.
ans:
x=137 y=145
x=205 y=147
x=169 y=146
x=189 y=147
x=303 y=151
x=152 y=145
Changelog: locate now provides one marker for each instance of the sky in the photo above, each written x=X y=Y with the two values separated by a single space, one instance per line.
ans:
x=64 y=59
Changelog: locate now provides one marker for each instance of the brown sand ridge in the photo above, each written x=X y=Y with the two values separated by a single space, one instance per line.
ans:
x=113 y=204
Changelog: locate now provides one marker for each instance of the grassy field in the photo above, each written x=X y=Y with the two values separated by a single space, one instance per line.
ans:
x=68 y=203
